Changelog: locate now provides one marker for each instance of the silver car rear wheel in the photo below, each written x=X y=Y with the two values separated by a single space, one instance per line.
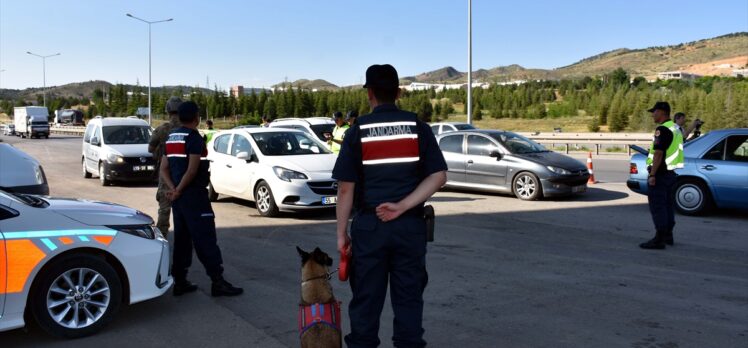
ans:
x=691 y=197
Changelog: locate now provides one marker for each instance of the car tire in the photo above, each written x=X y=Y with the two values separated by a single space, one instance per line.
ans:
x=527 y=187
x=102 y=176
x=86 y=173
x=264 y=200
x=212 y=194
x=692 y=197
x=52 y=307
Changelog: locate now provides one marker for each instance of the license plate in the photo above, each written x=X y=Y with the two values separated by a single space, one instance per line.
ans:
x=577 y=189
x=329 y=200
x=142 y=168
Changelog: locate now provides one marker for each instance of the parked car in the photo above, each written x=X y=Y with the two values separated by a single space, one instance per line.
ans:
x=319 y=127
x=21 y=173
x=70 y=264
x=715 y=173
x=278 y=169
x=506 y=162
x=444 y=127
x=116 y=149
x=9 y=129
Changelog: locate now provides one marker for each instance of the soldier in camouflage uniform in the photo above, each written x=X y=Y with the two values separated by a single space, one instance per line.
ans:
x=156 y=147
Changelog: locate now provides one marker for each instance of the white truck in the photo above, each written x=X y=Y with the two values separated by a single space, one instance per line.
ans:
x=31 y=121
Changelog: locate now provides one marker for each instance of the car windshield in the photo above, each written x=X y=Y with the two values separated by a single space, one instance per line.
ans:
x=464 y=126
x=288 y=144
x=518 y=144
x=121 y=135
x=321 y=129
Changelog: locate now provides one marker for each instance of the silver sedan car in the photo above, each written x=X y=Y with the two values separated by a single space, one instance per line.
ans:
x=506 y=162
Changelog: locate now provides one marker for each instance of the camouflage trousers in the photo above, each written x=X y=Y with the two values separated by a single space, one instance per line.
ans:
x=164 y=208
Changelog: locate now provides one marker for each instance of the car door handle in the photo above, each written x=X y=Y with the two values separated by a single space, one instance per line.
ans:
x=229 y=166
x=470 y=162
x=708 y=167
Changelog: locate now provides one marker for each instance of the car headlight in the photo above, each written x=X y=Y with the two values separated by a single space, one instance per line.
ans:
x=558 y=170
x=143 y=231
x=287 y=174
x=114 y=158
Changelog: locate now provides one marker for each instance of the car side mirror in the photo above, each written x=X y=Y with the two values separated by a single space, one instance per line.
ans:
x=246 y=156
x=495 y=154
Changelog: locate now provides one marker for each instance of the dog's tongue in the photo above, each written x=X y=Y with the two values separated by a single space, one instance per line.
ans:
x=343 y=268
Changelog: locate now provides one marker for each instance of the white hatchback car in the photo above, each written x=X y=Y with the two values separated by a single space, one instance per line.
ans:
x=279 y=169
x=69 y=264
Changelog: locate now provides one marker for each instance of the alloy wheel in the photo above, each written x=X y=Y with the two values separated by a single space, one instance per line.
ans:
x=263 y=198
x=525 y=186
x=78 y=298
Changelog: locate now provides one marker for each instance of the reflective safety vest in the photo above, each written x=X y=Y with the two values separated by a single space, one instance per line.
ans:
x=674 y=154
x=208 y=134
x=337 y=134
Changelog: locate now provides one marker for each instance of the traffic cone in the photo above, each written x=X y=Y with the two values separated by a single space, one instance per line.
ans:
x=591 y=180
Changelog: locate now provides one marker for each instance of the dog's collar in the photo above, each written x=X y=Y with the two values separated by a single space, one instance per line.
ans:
x=326 y=276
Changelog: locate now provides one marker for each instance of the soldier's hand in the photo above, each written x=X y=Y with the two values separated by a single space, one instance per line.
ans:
x=344 y=244
x=389 y=211
x=651 y=181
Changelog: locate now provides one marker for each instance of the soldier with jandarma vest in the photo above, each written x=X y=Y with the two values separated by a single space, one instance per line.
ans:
x=665 y=156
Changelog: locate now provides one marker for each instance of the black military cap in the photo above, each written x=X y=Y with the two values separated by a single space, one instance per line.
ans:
x=381 y=76
x=660 y=105
x=337 y=115
x=351 y=114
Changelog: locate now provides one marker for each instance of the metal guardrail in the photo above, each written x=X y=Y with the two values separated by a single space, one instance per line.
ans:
x=570 y=140
x=68 y=130
x=567 y=140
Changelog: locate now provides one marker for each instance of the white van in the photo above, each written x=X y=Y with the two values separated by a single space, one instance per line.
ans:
x=116 y=149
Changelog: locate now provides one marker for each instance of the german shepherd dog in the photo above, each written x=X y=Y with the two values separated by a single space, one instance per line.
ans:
x=319 y=311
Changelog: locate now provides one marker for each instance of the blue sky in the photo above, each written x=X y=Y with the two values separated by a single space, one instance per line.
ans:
x=260 y=43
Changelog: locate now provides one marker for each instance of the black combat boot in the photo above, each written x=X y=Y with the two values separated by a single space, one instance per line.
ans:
x=655 y=243
x=667 y=238
x=223 y=288
x=183 y=287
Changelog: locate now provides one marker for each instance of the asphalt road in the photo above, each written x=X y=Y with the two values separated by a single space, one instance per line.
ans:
x=503 y=272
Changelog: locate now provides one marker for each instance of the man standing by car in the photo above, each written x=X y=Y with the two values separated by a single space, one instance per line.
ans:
x=338 y=133
x=184 y=169
x=351 y=117
x=680 y=124
x=393 y=164
x=665 y=155
x=156 y=147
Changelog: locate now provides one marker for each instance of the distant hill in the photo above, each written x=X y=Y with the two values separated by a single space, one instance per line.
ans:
x=700 y=57
x=81 y=90
x=308 y=84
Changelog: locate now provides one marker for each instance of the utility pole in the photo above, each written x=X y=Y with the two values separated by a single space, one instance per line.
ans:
x=149 y=57
x=470 y=64
x=44 y=73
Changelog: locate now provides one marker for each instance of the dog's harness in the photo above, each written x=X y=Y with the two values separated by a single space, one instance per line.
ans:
x=322 y=313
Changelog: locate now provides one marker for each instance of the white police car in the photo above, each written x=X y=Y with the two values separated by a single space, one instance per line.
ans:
x=69 y=264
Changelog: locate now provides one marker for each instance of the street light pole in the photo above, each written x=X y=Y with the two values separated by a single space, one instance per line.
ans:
x=44 y=73
x=470 y=64
x=149 y=57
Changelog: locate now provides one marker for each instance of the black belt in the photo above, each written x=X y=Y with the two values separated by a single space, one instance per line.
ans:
x=415 y=211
